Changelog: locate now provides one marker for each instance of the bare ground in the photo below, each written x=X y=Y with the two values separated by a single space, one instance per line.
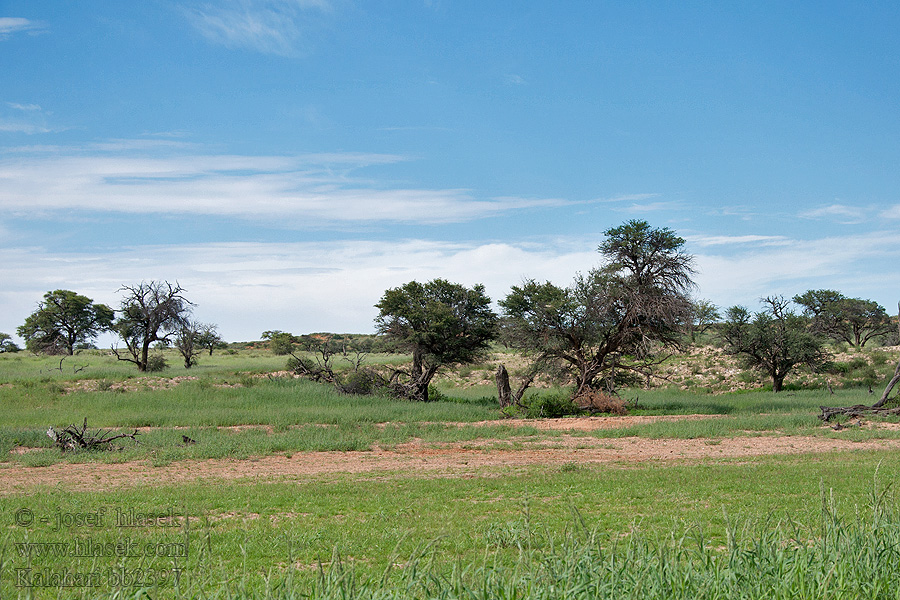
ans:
x=435 y=460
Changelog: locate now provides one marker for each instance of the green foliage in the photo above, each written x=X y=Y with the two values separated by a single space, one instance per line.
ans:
x=440 y=323
x=7 y=345
x=281 y=343
x=361 y=382
x=773 y=341
x=550 y=405
x=62 y=320
x=624 y=311
x=156 y=363
x=851 y=320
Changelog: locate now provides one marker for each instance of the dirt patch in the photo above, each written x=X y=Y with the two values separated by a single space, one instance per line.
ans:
x=445 y=460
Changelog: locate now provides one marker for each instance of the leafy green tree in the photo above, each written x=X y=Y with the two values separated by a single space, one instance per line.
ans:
x=704 y=314
x=773 y=341
x=281 y=343
x=62 y=320
x=842 y=319
x=613 y=320
x=6 y=343
x=152 y=311
x=209 y=338
x=440 y=323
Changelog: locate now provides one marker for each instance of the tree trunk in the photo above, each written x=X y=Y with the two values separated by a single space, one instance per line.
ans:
x=504 y=392
x=896 y=378
x=777 y=383
x=505 y=395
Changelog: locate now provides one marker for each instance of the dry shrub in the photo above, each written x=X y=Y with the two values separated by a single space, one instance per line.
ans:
x=597 y=401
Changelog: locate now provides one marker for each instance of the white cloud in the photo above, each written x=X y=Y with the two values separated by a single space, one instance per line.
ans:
x=296 y=191
x=301 y=287
x=28 y=107
x=843 y=214
x=10 y=25
x=737 y=240
x=647 y=207
x=267 y=26
x=892 y=212
x=24 y=118
x=856 y=265
x=513 y=79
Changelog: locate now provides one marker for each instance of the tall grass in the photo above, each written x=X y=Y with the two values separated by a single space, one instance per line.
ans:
x=840 y=557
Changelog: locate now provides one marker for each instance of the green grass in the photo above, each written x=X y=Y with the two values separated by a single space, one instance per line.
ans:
x=701 y=526
x=813 y=526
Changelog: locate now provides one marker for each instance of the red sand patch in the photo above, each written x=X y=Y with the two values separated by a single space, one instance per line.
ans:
x=421 y=459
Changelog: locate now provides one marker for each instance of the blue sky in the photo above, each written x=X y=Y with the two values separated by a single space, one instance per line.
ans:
x=286 y=161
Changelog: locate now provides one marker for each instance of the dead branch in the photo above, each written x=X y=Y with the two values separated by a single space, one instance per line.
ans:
x=875 y=409
x=73 y=438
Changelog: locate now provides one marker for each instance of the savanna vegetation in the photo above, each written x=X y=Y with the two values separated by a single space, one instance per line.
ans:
x=421 y=462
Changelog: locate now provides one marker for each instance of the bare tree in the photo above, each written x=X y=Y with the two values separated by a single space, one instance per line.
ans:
x=151 y=311
x=187 y=341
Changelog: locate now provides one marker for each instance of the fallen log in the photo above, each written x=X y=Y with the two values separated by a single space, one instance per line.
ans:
x=861 y=409
x=856 y=411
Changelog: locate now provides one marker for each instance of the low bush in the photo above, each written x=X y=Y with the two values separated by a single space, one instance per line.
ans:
x=550 y=405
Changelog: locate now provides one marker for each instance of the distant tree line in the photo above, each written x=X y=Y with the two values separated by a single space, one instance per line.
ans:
x=611 y=326
x=150 y=312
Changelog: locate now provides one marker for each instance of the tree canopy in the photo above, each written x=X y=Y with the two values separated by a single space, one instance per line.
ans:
x=7 y=344
x=440 y=323
x=615 y=317
x=773 y=341
x=842 y=319
x=63 y=320
x=151 y=311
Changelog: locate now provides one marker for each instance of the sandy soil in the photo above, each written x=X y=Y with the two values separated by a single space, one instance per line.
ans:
x=436 y=460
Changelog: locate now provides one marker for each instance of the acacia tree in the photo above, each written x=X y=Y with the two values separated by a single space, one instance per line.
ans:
x=187 y=342
x=6 y=343
x=150 y=312
x=62 y=320
x=209 y=338
x=842 y=319
x=774 y=340
x=704 y=314
x=440 y=323
x=614 y=318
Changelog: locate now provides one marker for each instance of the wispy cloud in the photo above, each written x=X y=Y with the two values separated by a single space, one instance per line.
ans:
x=269 y=26
x=648 y=207
x=841 y=213
x=513 y=79
x=151 y=176
x=11 y=25
x=705 y=241
x=892 y=212
x=24 y=118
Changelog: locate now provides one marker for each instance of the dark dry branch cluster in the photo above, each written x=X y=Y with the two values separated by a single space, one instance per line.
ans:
x=72 y=438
